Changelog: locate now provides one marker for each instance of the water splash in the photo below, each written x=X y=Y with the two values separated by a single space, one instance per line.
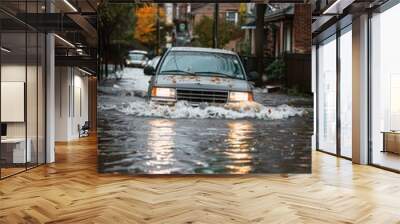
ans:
x=184 y=110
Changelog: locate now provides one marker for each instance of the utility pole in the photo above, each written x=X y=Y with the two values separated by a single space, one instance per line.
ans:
x=215 y=26
x=259 y=40
x=158 y=30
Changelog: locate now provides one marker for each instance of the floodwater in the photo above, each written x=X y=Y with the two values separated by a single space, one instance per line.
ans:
x=136 y=137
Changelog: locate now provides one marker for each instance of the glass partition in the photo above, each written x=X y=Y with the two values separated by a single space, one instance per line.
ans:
x=385 y=89
x=327 y=95
x=22 y=101
x=346 y=92
x=31 y=99
x=14 y=145
x=41 y=96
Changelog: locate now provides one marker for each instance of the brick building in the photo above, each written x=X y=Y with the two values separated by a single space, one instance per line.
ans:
x=287 y=30
x=227 y=11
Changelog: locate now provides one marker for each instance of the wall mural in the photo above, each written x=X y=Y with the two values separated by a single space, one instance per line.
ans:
x=195 y=88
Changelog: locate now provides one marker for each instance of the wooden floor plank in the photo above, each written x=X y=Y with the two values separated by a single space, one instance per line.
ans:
x=71 y=191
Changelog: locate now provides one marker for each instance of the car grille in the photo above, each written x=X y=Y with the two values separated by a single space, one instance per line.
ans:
x=202 y=96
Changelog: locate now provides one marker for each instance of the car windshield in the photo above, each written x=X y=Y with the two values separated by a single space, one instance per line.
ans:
x=202 y=64
x=136 y=56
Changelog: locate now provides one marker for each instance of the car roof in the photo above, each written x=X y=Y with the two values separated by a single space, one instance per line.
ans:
x=137 y=52
x=202 y=49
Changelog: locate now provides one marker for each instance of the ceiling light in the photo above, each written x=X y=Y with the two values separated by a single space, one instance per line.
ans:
x=5 y=50
x=70 y=5
x=65 y=41
x=84 y=71
x=337 y=7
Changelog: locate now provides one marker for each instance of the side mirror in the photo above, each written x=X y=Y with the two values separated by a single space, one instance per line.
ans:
x=252 y=76
x=149 y=70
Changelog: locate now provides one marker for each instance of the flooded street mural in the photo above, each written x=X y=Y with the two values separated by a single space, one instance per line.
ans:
x=188 y=108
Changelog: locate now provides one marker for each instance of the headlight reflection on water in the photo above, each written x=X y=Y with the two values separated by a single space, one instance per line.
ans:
x=239 y=140
x=161 y=144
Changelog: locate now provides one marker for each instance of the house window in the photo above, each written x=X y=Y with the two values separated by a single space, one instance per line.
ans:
x=288 y=38
x=232 y=16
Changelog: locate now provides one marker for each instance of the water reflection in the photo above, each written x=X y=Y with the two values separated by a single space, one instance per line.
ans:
x=239 y=142
x=161 y=145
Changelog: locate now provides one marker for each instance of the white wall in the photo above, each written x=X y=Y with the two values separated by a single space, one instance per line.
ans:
x=17 y=73
x=71 y=102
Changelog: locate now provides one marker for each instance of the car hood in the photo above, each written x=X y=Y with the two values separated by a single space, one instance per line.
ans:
x=202 y=82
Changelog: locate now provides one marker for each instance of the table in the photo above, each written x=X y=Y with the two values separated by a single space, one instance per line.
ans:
x=391 y=141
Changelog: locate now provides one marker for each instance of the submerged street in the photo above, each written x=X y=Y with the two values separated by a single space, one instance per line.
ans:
x=137 y=137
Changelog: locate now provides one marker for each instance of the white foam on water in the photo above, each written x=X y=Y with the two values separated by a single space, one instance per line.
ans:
x=184 y=110
x=133 y=79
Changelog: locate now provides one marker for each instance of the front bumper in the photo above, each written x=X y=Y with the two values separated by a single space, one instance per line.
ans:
x=163 y=101
x=172 y=102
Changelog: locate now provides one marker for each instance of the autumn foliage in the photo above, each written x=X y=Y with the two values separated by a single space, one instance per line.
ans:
x=146 y=24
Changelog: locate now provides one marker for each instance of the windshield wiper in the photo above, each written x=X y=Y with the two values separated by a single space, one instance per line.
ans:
x=180 y=71
x=219 y=74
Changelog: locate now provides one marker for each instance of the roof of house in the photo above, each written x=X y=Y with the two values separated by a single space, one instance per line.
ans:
x=272 y=16
x=279 y=14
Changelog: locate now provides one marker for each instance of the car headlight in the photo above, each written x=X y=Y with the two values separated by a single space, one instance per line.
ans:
x=163 y=92
x=240 y=96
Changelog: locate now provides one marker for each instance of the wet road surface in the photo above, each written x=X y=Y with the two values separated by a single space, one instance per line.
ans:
x=135 y=138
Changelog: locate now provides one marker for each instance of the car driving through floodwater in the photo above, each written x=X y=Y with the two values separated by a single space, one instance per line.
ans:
x=199 y=76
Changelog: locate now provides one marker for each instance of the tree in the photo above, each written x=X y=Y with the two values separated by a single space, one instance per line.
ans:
x=226 y=32
x=115 y=22
x=146 y=24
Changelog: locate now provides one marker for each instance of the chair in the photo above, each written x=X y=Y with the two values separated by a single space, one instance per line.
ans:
x=84 y=130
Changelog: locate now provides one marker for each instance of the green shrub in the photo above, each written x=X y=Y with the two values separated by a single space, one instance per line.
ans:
x=276 y=70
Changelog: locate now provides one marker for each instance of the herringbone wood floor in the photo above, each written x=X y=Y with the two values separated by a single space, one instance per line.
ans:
x=71 y=191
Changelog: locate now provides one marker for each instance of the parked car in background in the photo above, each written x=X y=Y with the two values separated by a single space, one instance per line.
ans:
x=199 y=75
x=136 y=58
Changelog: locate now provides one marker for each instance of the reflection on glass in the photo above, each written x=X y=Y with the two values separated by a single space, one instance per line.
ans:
x=239 y=146
x=385 y=88
x=161 y=144
x=31 y=100
x=327 y=96
x=41 y=99
x=15 y=150
x=22 y=78
x=346 y=94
